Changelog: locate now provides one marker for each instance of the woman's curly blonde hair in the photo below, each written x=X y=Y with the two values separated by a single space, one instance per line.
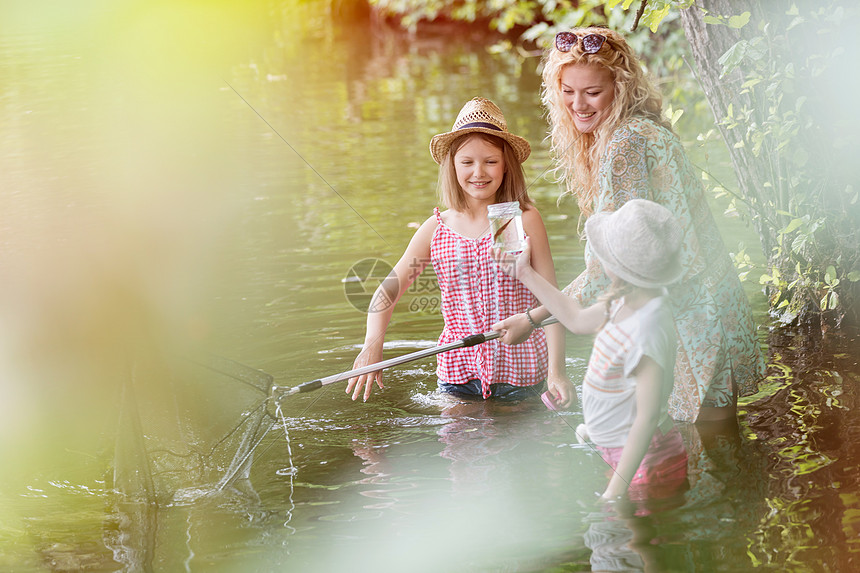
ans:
x=578 y=154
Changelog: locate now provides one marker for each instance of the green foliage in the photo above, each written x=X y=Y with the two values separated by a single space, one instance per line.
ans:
x=790 y=59
x=537 y=21
x=502 y=15
x=807 y=200
x=737 y=21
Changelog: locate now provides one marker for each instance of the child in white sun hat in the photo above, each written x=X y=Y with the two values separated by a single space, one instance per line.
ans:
x=629 y=378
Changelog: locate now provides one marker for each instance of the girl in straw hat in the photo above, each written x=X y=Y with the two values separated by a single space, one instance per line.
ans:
x=612 y=144
x=480 y=164
x=629 y=378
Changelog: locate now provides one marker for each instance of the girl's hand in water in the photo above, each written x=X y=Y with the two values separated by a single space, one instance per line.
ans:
x=560 y=386
x=368 y=355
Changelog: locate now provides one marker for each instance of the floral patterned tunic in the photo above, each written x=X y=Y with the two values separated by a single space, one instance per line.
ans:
x=717 y=345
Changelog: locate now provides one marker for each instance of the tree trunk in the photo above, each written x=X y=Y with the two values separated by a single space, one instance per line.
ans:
x=809 y=172
x=708 y=44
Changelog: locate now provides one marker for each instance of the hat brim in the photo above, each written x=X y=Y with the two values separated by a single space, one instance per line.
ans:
x=598 y=241
x=441 y=143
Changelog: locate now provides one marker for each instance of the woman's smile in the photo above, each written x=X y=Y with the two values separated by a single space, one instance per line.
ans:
x=588 y=92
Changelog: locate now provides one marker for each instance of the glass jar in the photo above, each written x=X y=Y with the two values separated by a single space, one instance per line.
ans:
x=506 y=225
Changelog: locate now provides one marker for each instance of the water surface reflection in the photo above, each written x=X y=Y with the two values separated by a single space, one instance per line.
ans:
x=217 y=188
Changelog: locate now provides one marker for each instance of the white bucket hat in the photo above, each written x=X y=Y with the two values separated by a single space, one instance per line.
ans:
x=639 y=243
x=482 y=116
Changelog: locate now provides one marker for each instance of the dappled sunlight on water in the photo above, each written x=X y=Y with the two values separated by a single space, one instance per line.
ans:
x=806 y=424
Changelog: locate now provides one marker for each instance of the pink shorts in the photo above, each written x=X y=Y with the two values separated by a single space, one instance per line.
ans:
x=663 y=471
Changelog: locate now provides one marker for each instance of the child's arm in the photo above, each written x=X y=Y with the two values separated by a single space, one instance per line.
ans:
x=414 y=260
x=649 y=394
x=569 y=312
x=558 y=383
x=517 y=328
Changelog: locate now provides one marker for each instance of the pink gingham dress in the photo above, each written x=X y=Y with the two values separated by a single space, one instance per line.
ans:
x=476 y=294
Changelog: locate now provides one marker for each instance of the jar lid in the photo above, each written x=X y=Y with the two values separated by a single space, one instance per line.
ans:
x=504 y=209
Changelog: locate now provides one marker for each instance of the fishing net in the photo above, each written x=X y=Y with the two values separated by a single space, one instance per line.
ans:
x=187 y=428
x=189 y=423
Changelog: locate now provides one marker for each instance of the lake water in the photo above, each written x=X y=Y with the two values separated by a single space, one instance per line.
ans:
x=178 y=178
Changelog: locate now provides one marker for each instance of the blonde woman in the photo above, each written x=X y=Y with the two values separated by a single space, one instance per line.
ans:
x=612 y=144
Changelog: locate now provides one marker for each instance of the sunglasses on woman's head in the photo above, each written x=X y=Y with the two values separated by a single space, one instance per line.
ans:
x=591 y=44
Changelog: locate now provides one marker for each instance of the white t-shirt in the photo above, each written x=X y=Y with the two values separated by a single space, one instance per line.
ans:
x=609 y=390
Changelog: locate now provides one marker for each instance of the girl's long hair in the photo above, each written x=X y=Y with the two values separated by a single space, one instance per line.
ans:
x=513 y=187
x=617 y=289
x=578 y=154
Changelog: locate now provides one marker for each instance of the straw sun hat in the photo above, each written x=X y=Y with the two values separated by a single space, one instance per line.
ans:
x=640 y=243
x=479 y=115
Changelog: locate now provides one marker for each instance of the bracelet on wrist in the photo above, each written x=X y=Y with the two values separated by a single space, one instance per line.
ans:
x=531 y=320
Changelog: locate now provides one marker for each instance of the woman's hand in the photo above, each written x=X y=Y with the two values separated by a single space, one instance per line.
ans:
x=515 y=329
x=370 y=354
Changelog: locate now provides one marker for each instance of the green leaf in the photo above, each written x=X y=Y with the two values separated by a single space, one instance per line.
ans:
x=713 y=20
x=854 y=276
x=794 y=224
x=758 y=141
x=739 y=21
x=799 y=243
x=829 y=301
x=535 y=31
x=799 y=103
x=797 y=21
x=499 y=48
x=657 y=16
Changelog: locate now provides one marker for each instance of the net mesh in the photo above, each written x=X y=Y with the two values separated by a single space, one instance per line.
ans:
x=188 y=423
